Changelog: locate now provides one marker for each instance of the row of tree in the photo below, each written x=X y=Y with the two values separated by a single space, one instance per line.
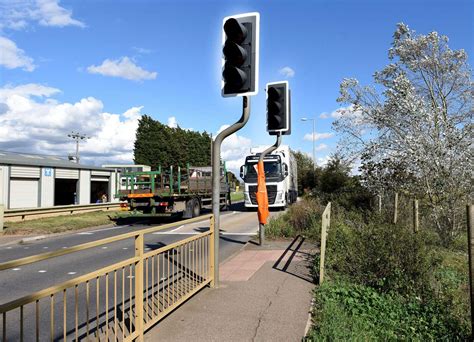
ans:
x=157 y=145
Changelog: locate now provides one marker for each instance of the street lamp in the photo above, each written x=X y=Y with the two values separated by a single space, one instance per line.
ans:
x=77 y=136
x=312 y=138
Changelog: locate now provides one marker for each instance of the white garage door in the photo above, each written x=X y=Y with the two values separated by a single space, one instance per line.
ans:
x=24 y=193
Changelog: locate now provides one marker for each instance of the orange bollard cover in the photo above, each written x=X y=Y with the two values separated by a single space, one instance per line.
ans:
x=262 y=196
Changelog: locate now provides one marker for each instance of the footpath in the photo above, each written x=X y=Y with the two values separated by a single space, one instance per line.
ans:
x=264 y=295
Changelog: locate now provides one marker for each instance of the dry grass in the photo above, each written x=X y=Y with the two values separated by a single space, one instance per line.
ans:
x=58 y=224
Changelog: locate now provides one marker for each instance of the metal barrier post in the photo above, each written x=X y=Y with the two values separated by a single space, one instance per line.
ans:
x=139 y=287
x=211 y=251
x=2 y=211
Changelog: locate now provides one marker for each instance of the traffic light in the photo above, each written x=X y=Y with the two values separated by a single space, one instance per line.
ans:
x=240 y=40
x=278 y=108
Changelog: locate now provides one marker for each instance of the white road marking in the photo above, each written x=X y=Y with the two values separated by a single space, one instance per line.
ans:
x=171 y=233
x=45 y=247
x=26 y=248
x=42 y=271
x=244 y=234
x=147 y=249
x=131 y=277
x=105 y=229
x=85 y=233
x=125 y=248
x=105 y=247
x=71 y=273
x=164 y=278
x=177 y=228
x=65 y=247
x=16 y=269
x=9 y=247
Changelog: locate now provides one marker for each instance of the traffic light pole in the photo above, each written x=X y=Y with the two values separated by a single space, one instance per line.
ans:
x=261 y=227
x=216 y=179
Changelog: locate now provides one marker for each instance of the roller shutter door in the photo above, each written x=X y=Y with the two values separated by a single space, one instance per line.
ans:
x=24 y=193
x=25 y=172
x=67 y=174
x=99 y=179
x=100 y=173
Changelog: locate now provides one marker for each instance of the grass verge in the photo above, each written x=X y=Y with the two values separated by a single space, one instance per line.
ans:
x=236 y=196
x=58 y=224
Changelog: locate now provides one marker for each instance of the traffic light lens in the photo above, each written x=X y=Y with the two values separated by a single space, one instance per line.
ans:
x=235 y=31
x=234 y=53
x=274 y=108
x=273 y=94
x=234 y=76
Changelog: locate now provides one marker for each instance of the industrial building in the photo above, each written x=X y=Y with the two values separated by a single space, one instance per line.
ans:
x=32 y=181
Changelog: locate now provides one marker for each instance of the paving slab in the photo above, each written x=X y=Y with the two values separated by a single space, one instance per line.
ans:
x=264 y=295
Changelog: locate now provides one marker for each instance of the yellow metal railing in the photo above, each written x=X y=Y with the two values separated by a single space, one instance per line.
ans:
x=129 y=296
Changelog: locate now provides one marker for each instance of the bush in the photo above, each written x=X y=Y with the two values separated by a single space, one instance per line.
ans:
x=301 y=218
x=346 y=311
x=384 y=256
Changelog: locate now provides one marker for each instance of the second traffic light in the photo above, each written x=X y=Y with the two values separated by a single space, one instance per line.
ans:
x=278 y=108
x=240 y=40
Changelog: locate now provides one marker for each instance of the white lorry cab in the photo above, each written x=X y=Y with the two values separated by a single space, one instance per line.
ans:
x=280 y=177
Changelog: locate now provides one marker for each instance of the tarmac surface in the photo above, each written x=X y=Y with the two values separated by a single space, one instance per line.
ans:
x=264 y=295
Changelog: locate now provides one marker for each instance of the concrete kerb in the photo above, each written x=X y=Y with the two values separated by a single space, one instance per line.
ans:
x=32 y=239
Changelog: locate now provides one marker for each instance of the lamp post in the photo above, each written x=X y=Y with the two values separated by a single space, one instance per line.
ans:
x=312 y=138
x=77 y=136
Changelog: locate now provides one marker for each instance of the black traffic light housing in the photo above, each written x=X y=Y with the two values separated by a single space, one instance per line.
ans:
x=240 y=47
x=278 y=108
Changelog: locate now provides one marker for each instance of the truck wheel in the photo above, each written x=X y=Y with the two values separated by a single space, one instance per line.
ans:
x=196 y=207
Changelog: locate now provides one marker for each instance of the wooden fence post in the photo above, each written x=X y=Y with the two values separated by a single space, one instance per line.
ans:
x=2 y=211
x=415 y=216
x=470 y=240
x=325 y=223
x=380 y=203
x=395 y=209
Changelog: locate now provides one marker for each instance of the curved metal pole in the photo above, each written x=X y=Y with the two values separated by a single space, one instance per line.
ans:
x=261 y=227
x=216 y=179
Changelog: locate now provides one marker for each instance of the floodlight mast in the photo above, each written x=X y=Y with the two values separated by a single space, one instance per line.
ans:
x=77 y=136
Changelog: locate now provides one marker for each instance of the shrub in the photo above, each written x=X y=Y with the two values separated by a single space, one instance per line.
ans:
x=347 y=311
x=384 y=256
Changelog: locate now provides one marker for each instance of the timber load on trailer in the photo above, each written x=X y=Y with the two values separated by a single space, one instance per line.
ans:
x=175 y=191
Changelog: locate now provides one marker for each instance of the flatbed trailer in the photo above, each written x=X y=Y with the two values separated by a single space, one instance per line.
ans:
x=180 y=191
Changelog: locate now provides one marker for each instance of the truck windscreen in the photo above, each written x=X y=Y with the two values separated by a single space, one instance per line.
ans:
x=272 y=170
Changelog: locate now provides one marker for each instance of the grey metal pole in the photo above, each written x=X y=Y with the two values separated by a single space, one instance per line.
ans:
x=216 y=179
x=261 y=227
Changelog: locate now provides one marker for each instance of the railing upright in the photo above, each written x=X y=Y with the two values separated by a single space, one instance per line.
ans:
x=139 y=287
x=211 y=251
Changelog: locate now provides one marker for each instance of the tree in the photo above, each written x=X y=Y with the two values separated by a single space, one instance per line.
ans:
x=413 y=129
x=306 y=173
x=159 y=145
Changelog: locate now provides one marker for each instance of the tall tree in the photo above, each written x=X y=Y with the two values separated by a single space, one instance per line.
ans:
x=159 y=145
x=414 y=128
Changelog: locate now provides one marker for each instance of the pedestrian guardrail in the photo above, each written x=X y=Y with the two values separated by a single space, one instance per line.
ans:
x=29 y=213
x=127 y=297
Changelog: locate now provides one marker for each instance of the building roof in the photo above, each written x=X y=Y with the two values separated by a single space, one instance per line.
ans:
x=30 y=159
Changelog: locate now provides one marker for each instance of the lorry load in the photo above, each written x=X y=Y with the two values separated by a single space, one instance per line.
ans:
x=175 y=191
x=280 y=177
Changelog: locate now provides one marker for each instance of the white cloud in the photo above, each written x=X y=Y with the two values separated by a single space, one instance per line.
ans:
x=321 y=147
x=34 y=122
x=172 y=122
x=344 y=111
x=12 y=57
x=322 y=161
x=141 y=51
x=51 y=14
x=287 y=72
x=318 y=136
x=17 y=15
x=234 y=150
x=123 y=67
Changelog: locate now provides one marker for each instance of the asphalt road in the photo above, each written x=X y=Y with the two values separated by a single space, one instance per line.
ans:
x=237 y=227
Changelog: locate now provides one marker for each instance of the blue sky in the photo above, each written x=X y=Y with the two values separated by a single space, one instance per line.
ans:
x=96 y=66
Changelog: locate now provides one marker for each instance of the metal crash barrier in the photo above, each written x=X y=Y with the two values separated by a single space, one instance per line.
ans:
x=33 y=213
x=118 y=302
